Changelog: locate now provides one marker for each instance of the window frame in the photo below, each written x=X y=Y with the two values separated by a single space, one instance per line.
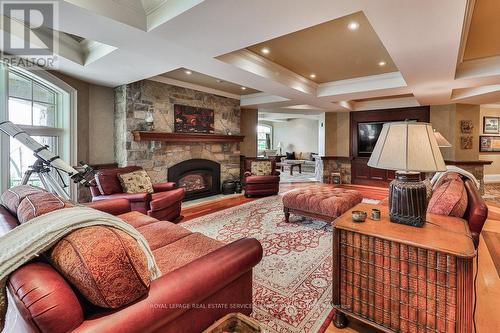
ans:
x=65 y=119
x=271 y=136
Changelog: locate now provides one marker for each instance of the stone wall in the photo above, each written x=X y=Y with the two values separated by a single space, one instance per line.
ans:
x=337 y=165
x=133 y=103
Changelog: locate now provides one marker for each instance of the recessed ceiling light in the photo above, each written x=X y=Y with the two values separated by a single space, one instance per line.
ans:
x=312 y=76
x=243 y=88
x=382 y=63
x=265 y=50
x=353 y=25
x=188 y=72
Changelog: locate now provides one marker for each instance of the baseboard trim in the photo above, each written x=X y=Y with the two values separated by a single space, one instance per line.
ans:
x=494 y=178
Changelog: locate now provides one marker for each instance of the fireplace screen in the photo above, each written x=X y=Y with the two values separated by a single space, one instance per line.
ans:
x=199 y=177
x=196 y=181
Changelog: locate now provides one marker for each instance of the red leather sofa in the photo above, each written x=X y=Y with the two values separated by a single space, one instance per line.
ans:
x=476 y=212
x=163 y=204
x=260 y=185
x=202 y=280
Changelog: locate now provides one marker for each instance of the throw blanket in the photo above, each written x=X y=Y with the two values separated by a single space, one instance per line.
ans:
x=30 y=239
x=452 y=168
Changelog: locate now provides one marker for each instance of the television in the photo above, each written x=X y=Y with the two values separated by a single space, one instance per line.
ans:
x=368 y=134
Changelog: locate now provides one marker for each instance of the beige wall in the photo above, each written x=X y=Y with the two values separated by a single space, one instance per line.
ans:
x=297 y=135
x=441 y=116
x=446 y=120
x=101 y=121
x=337 y=133
x=95 y=108
x=248 y=128
x=494 y=168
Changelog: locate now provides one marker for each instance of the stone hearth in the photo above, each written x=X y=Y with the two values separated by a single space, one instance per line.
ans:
x=136 y=101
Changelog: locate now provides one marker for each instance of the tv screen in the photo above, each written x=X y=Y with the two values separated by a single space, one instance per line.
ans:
x=368 y=134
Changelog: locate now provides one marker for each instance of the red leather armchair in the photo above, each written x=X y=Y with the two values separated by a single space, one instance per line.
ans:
x=163 y=204
x=260 y=185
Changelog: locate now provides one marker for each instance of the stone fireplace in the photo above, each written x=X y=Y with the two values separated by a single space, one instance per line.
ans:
x=138 y=101
x=199 y=177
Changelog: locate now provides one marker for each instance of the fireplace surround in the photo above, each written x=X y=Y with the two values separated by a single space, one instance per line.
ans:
x=199 y=177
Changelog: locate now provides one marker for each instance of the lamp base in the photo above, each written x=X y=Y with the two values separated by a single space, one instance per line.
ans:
x=408 y=199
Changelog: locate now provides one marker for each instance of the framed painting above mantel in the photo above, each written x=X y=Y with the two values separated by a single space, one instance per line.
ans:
x=190 y=119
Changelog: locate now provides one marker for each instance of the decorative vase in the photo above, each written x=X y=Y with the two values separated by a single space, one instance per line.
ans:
x=228 y=187
x=408 y=199
x=239 y=187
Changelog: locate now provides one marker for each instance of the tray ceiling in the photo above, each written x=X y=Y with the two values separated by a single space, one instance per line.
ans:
x=343 y=48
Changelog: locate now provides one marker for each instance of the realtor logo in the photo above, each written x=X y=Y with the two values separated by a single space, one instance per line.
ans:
x=29 y=33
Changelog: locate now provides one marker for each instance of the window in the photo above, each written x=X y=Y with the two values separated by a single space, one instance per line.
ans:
x=44 y=111
x=264 y=140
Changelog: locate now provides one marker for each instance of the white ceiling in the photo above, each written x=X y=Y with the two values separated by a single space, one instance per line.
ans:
x=422 y=37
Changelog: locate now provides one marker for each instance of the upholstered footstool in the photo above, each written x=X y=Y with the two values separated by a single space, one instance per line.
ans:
x=323 y=202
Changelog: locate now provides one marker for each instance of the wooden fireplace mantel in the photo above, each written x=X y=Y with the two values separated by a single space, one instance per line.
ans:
x=184 y=137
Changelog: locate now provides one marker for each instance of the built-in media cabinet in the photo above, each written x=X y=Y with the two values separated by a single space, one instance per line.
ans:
x=365 y=127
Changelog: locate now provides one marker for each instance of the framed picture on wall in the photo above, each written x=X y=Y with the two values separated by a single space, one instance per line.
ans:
x=189 y=119
x=489 y=143
x=491 y=125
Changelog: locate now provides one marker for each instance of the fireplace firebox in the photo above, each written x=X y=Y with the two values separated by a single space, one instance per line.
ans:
x=199 y=177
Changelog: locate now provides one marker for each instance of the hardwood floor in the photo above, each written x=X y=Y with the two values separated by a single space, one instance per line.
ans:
x=488 y=277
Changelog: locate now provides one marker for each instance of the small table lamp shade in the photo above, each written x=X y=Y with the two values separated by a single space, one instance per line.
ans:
x=441 y=140
x=409 y=148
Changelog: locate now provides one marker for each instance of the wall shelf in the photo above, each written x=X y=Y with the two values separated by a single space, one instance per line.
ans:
x=184 y=137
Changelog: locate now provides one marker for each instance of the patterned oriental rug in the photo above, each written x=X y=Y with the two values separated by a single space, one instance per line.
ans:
x=293 y=282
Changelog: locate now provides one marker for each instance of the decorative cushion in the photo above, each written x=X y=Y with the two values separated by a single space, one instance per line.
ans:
x=38 y=204
x=290 y=156
x=261 y=168
x=13 y=196
x=447 y=177
x=136 y=182
x=449 y=198
x=105 y=264
x=305 y=156
x=107 y=179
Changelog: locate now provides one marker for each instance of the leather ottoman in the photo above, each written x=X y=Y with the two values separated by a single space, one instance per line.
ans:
x=323 y=202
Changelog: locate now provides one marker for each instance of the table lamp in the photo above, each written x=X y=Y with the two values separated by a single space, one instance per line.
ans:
x=279 y=146
x=441 y=140
x=407 y=148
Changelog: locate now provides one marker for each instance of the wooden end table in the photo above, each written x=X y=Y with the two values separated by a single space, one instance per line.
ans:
x=291 y=165
x=399 y=278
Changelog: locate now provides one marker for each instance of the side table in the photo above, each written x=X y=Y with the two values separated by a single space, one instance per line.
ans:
x=399 y=278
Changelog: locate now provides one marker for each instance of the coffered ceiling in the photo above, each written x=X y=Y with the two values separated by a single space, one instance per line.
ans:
x=435 y=52
x=185 y=75
x=339 y=49
x=482 y=39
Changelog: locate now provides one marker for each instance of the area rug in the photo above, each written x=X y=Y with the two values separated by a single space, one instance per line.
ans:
x=297 y=177
x=293 y=282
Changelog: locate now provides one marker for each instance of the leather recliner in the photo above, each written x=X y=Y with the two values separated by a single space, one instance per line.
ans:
x=163 y=204
x=260 y=185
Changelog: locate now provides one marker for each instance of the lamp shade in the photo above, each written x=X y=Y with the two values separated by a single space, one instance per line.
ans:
x=441 y=140
x=407 y=146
